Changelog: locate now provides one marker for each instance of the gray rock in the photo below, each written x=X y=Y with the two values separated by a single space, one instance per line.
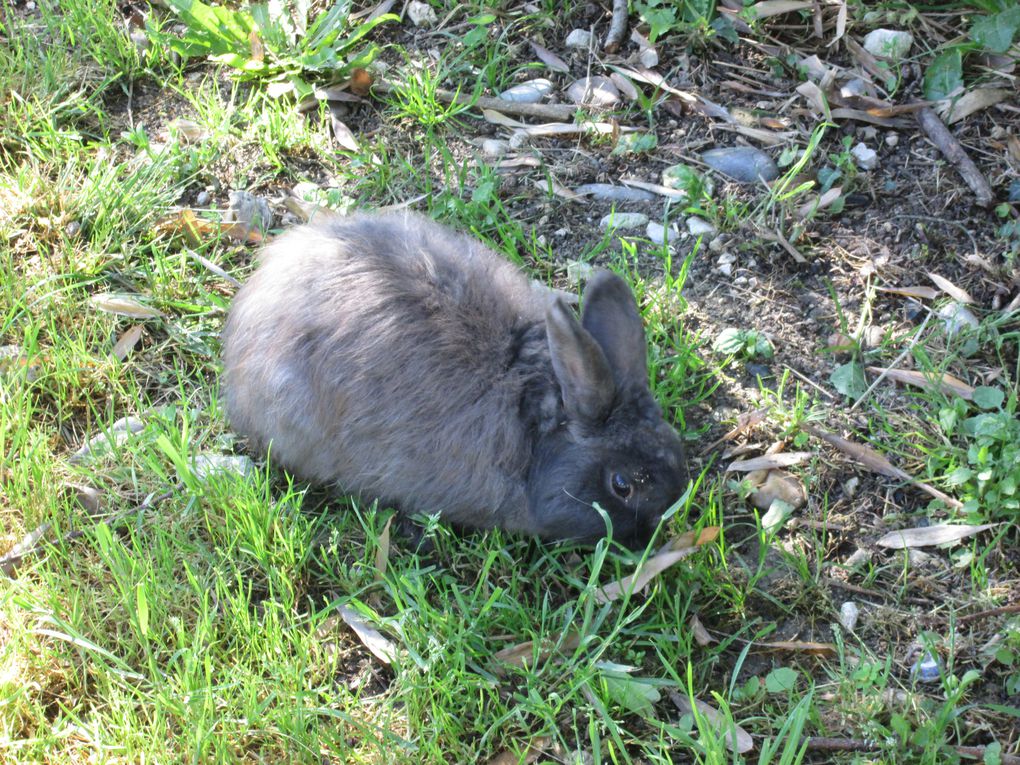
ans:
x=421 y=14
x=743 y=164
x=864 y=157
x=579 y=38
x=103 y=443
x=493 y=147
x=596 y=91
x=956 y=316
x=530 y=92
x=203 y=198
x=700 y=227
x=206 y=465
x=891 y=43
x=610 y=193
x=624 y=220
x=658 y=233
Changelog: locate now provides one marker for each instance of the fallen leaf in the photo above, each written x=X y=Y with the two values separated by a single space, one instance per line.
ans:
x=125 y=305
x=196 y=231
x=382 y=648
x=945 y=382
x=655 y=188
x=100 y=444
x=127 y=342
x=701 y=635
x=655 y=565
x=779 y=485
x=521 y=654
x=10 y=561
x=361 y=82
x=342 y=134
x=550 y=59
x=875 y=462
x=534 y=749
x=737 y=739
x=957 y=294
x=189 y=130
x=954 y=110
x=745 y=421
x=768 y=462
x=801 y=646
x=382 y=554
x=922 y=293
x=86 y=496
x=819 y=203
x=767 y=8
x=557 y=188
x=927 y=536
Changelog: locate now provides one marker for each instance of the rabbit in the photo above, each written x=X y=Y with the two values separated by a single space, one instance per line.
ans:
x=410 y=364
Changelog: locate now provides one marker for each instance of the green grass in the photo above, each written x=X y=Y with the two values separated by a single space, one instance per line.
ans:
x=190 y=619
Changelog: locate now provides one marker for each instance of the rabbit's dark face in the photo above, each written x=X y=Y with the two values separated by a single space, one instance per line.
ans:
x=633 y=470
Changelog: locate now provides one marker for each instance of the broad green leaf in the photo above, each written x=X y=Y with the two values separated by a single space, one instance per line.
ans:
x=995 y=33
x=987 y=397
x=849 y=380
x=944 y=75
x=781 y=680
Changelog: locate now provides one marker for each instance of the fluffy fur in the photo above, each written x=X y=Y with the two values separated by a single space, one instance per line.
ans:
x=408 y=363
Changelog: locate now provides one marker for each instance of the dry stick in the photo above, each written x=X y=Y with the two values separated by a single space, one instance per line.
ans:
x=1012 y=608
x=617 y=27
x=825 y=744
x=978 y=753
x=554 y=112
x=953 y=151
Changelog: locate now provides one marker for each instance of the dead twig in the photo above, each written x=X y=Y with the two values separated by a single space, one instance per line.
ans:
x=1012 y=608
x=554 y=112
x=617 y=27
x=946 y=143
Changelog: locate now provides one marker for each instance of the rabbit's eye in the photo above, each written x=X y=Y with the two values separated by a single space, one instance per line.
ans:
x=621 y=486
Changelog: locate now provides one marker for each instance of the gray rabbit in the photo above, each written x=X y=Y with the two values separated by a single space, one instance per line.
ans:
x=409 y=363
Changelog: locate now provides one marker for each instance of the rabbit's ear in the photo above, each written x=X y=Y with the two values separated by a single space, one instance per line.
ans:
x=584 y=374
x=611 y=317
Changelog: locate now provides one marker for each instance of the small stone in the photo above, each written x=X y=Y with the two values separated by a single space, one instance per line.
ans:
x=890 y=43
x=72 y=228
x=956 y=316
x=865 y=157
x=717 y=243
x=494 y=148
x=855 y=87
x=12 y=360
x=421 y=14
x=579 y=38
x=726 y=269
x=530 y=92
x=611 y=193
x=203 y=198
x=873 y=336
x=859 y=557
x=779 y=485
x=851 y=486
x=743 y=164
x=658 y=233
x=624 y=220
x=700 y=227
x=207 y=465
x=891 y=140
x=848 y=615
x=249 y=210
x=597 y=91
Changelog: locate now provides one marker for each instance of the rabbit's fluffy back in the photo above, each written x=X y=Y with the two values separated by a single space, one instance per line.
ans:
x=386 y=352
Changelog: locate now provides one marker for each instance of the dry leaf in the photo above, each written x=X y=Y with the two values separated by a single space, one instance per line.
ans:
x=520 y=655
x=745 y=421
x=737 y=739
x=655 y=188
x=343 y=135
x=550 y=59
x=802 y=646
x=768 y=462
x=625 y=86
x=196 y=231
x=957 y=294
x=819 y=203
x=127 y=342
x=670 y=554
x=767 y=8
x=781 y=485
x=536 y=748
x=701 y=636
x=258 y=51
x=945 y=383
x=875 y=462
x=382 y=648
x=10 y=561
x=382 y=554
x=124 y=305
x=189 y=130
x=87 y=496
x=921 y=293
x=926 y=536
x=954 y=110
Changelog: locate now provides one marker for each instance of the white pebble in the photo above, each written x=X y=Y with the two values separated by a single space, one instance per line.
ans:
x=623 y=220
x=421 y=14
x=530 y=92
x=579 y=38
x=848 y=614
x=700 y=227
x=865 y=157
